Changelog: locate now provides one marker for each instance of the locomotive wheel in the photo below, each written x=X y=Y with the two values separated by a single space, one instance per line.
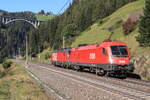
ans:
x=67 y=66
x=92 y=70
x=81 y=68
x=64 y=66
x=77 y=68
x=123 y=76
x=101 y=72
x=72 y=67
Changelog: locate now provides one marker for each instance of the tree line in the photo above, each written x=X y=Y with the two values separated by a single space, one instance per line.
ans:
x=144 y=29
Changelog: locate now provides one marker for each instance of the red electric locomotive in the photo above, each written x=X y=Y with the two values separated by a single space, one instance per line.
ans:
x=107 y=58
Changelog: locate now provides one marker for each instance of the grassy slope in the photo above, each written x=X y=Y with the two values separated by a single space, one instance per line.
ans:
x=18 y=85
x=43 y=56
x=95 y=34
x=44 y=18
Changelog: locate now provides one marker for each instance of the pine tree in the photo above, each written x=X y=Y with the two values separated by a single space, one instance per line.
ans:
x=144 y=26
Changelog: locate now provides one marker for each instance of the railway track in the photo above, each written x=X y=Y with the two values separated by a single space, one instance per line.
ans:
x=140 y=85
x=139 y=82
x=115 y=89
x=110 y=85
x=130 y=83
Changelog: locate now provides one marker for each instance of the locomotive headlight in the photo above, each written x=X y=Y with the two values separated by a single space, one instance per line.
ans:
x=111 y=60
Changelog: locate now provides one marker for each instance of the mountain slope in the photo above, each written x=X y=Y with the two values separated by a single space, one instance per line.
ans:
x=96 y=32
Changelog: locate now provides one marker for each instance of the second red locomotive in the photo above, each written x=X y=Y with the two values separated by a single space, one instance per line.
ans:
x=107 y=58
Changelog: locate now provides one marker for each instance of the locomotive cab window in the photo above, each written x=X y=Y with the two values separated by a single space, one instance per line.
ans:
x=119 y=51
x=104 y=51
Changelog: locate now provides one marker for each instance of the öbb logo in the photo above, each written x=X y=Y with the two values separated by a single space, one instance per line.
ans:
x=92 y=56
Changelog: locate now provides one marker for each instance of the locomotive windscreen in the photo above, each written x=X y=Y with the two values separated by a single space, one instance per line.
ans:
x=119 y=51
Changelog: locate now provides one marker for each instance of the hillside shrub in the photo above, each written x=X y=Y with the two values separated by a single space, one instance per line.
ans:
x=129 y=26
x=100 y=22
x=47 y=56
x=7 y=64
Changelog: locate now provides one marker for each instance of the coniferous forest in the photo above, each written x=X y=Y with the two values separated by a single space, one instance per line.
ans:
x=144 y=30
x=12 y=36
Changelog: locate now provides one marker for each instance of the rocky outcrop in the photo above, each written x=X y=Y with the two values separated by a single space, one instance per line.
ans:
x=142 y=66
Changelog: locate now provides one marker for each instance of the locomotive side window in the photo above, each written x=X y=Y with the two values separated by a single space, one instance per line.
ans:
x=69 y=52
x=104 y=51
x=119 y=51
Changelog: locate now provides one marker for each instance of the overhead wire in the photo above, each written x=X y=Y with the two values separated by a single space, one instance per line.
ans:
x=68 y=1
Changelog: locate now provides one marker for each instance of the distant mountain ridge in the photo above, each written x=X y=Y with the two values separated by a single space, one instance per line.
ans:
x=2 y=10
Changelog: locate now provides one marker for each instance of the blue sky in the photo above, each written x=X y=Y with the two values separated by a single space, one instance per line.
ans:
x=33 y=5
